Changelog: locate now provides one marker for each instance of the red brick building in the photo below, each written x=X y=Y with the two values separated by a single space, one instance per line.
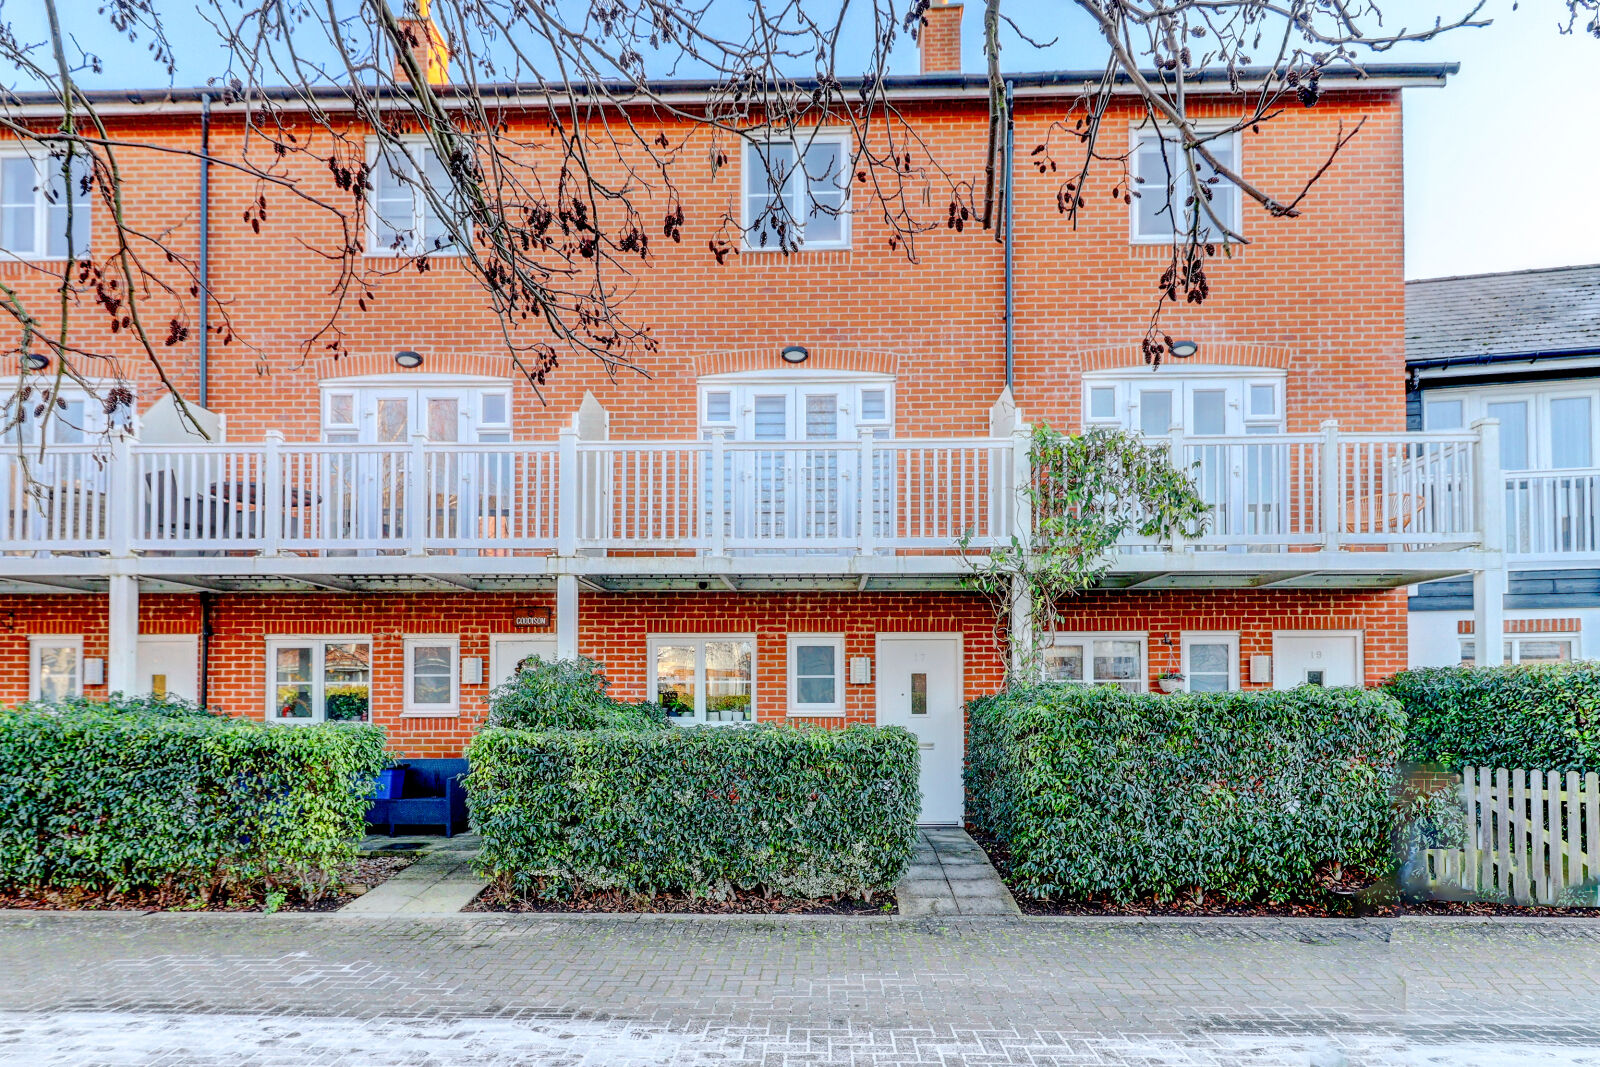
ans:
x=741 y=534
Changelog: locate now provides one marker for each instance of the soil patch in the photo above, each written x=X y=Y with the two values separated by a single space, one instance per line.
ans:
x=492 y=899
x=363 y=875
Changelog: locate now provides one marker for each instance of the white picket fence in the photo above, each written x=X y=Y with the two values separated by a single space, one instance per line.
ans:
x=1530 y=835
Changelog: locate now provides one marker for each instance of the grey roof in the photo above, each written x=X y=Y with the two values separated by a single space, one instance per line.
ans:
x=1522 y=313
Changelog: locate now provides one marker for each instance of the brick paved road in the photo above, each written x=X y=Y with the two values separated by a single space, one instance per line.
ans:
x=297 y=990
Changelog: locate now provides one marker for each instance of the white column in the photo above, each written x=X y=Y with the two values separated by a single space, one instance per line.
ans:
x=1489 y=583
x=1333 y=501
x=566 y=616
x=122 y=635
x=1022 y=637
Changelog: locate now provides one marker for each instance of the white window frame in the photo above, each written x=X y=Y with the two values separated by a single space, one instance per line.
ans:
x=654 y=641
x=471 y=389
x=1205 y=637
x=82 y=229
x=833 y=707
x=742 y=386
x=1141 y=132
x=1125 y=385
x=1539 y=396
x=413 y=145
x=751 y=169
x=37 y=643
x=410 y=707
x=1514 y=656
x=1087 y=638
x=319 y=673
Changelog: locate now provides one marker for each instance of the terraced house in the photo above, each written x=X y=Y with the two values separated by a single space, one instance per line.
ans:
x=765 y=527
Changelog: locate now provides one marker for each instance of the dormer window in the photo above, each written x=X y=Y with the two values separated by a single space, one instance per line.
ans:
x=797 y=193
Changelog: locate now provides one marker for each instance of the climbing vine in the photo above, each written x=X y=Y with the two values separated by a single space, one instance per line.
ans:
x=1086 y=493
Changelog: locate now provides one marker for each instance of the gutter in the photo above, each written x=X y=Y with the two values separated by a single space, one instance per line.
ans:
x=1490 y=358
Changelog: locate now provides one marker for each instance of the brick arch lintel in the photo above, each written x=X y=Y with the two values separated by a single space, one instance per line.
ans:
x=1218 y=353
x=360 y=366
x=822 y=358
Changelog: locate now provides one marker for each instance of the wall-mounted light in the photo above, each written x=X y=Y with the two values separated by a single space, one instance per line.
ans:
x=795 y=354
x=1185 y=349
x=35 y=361
x=408 y=359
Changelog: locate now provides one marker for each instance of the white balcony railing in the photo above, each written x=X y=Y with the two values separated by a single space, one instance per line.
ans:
x=1276 y=492
x=1552 y=513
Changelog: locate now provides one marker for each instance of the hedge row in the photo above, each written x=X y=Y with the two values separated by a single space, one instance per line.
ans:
x=792 y=811
x=1545 y=717
x=568 y=694
x=1098 y=792
x=168 y=797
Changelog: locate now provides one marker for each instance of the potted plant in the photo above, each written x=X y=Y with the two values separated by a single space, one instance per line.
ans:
x=1170 y=681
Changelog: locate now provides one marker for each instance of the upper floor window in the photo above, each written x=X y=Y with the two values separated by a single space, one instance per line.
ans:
x=1198 y=401
x=409 y=185
x=1542 y=426
x=797 y=192
x=34 y=200
x=1164 y=206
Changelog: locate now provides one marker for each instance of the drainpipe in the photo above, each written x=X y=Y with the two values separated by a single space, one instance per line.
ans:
x=205 y=249
x=1011 y=139
x=205 y=650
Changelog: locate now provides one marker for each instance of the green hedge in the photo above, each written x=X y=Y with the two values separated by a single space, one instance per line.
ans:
x=107 y=798
x=567 y=694
x=1545 y=717
x=793 y=811
x=1098 y=792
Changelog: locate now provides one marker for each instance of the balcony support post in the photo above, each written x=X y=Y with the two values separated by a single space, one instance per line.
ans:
x=1021 y=634
x=122 y=487
x=122 y=634
x=1489 y=583
x=719 y=505
x=1330 y=475
x=566 y=616
x=1176 y=457
x=866 y=485
x=270 y=507
x=568 y=492
x=418 y=497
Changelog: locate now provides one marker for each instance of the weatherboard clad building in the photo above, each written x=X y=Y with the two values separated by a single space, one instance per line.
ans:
x=1522 y=348
x=765 y=527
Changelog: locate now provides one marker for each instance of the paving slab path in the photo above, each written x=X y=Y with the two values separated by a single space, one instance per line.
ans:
x=951 y=875
x=340 y=990
x=440 y=882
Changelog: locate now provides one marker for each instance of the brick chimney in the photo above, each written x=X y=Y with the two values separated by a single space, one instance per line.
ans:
x=940 y=42
x=427 y=45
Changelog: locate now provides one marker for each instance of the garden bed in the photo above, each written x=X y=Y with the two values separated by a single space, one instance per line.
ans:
x=492 y=900
x=360 y=877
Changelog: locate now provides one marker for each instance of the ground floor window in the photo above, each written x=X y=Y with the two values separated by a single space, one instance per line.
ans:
x=1533 y=648
x=1211 y=662
x=816 y=674
x=319 y=679
x=55 y=668
x=1095 y=659
x=704 y=679
x=431 y=675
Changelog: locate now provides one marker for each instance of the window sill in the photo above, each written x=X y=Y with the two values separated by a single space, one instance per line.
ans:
x=438 y=253
x=821 y=713
x=761 y=250
x=452 y=713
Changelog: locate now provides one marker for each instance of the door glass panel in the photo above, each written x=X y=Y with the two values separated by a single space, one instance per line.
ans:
x=347 y=680
x=822 y=417
x=919 y=694
x=1155 y=412
x=874 y=405
x=393 y=419
x=675 y=679
x=444 y=419
x=1102 y=403
x=728 y=678
x=771 y=418
x=1513 y=416
x=1263 y=400
x=1210 y=411
x=1569 y=432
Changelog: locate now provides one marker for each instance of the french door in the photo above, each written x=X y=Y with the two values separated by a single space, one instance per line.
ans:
x=787 y=491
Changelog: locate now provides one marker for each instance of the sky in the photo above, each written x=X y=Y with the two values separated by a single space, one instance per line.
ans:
x=1502 y=164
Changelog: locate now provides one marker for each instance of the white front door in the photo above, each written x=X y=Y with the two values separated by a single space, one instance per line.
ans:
x=169 y=666
x=506 y=652
x=1316 y=659
x=919 y=687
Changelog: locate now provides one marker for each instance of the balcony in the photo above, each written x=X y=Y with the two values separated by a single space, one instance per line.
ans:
x=1314 y=509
